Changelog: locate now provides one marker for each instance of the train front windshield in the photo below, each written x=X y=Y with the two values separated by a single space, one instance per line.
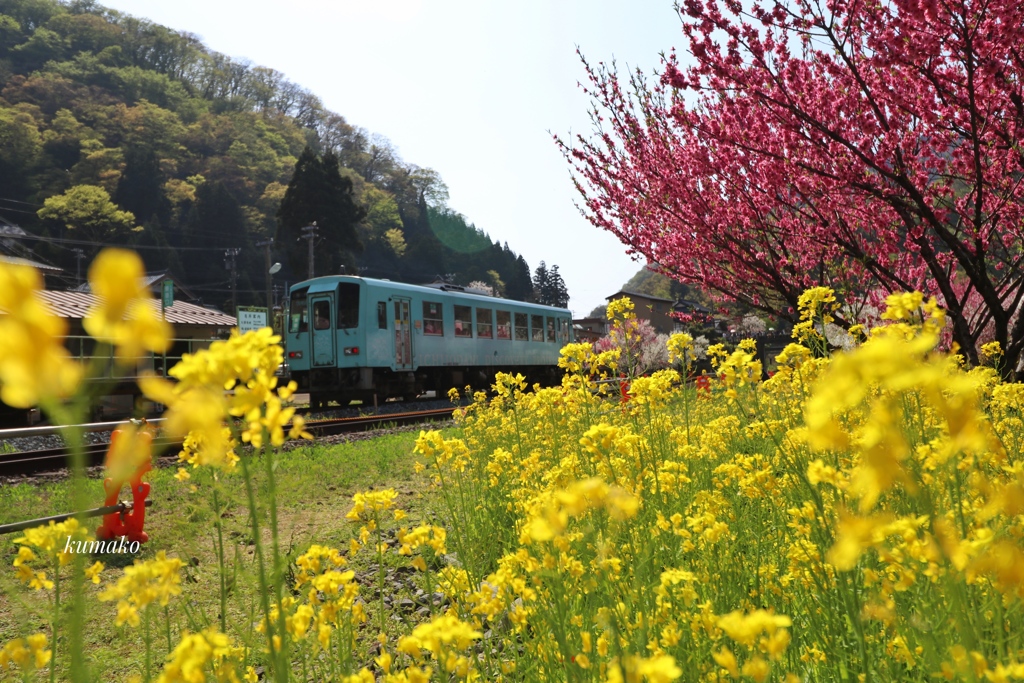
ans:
x=348 y=305
x=298 y=320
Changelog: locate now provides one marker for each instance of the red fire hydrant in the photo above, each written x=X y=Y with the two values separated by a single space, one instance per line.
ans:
x=127 y=462
x=623 y=388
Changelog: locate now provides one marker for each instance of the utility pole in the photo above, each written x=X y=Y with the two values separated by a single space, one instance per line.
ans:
x=79 y=257
x=229 y=263
x=309 y=232
x=270 y=295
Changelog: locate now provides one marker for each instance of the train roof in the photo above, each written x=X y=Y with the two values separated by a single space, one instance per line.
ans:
x=327 y=283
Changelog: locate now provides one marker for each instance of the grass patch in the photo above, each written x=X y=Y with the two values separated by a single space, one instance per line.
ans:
x=314 y=488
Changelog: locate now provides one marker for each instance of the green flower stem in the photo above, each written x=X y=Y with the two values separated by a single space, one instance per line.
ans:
x=279 y=669
x=380 y=569
x=167 y=626
x=55 y=618
x=73 y=414
x=220 y=560
x=149 y=646
x=278 y=574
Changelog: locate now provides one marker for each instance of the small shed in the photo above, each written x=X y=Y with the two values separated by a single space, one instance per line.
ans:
x=195 y=327
x=190 y=322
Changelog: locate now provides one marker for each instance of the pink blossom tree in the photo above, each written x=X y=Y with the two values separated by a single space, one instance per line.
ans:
x=870 y=147
x=641 y=349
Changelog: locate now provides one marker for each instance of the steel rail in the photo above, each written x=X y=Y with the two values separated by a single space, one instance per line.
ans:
x=55 y=459
x=51 y=430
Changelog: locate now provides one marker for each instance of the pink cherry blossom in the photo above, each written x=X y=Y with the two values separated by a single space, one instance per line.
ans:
x=870 y=147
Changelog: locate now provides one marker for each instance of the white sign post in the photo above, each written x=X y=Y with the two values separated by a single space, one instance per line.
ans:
x=251 y=318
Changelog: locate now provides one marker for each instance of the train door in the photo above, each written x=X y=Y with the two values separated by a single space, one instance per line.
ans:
x=322 y=332
x=403 y=335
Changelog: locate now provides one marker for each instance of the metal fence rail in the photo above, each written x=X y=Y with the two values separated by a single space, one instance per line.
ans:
x=84 y=349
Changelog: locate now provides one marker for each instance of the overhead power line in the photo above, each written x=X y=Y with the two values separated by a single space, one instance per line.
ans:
x=18 y=201
x=10 y=210
x=64 y=240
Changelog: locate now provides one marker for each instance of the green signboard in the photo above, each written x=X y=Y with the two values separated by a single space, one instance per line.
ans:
x=168 y=292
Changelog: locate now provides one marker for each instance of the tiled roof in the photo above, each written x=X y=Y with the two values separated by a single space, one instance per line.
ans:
x=625 y=292
x=149 y=281
x=8 y=228
x=17 y=260
x=77 y=304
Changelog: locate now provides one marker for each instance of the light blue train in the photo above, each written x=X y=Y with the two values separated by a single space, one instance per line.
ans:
x=352 y=338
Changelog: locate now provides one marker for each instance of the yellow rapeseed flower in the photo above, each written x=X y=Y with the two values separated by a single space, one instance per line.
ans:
x=144 y=583
x=727 y=660
x=93 y=572
x=125 y=314
x=34 y=365
x=24 y=654
x=620 y=310
x=51 y=542
x=438 y=637
x=745 y=629
x=198 y=653
x=364 y=505
x=816 y=301
x=634 y=669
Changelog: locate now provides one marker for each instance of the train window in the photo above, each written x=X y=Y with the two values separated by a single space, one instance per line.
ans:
x=484 y=326
x=463 y=321
x=537 y=327
x=348 y=305
x=522 y=327
x=563 y=331
x=298 y=320
x=433 y=319
x=504 y=325
x=322 y=315
x=382 y=315
x=551 y=329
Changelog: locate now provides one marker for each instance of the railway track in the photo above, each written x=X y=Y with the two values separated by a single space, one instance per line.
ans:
x=56 y=459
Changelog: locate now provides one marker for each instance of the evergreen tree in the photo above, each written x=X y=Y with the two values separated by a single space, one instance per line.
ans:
x=424 y=257
x=519 y=286
x=215 y=222
x=318 y=192
x=540 y=283
x=548 y=287
x=557 y=294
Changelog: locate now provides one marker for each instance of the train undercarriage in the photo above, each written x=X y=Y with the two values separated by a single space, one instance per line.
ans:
x=370 y=385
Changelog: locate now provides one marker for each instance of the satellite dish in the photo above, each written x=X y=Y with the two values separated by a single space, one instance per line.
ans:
x=275 y=269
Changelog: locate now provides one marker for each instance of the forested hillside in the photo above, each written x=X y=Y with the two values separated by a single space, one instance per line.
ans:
x=115 y=130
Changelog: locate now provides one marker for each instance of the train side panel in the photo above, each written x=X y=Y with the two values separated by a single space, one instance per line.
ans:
x=350 y=337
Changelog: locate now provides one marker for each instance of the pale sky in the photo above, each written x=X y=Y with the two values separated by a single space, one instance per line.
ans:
x=470 y=88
